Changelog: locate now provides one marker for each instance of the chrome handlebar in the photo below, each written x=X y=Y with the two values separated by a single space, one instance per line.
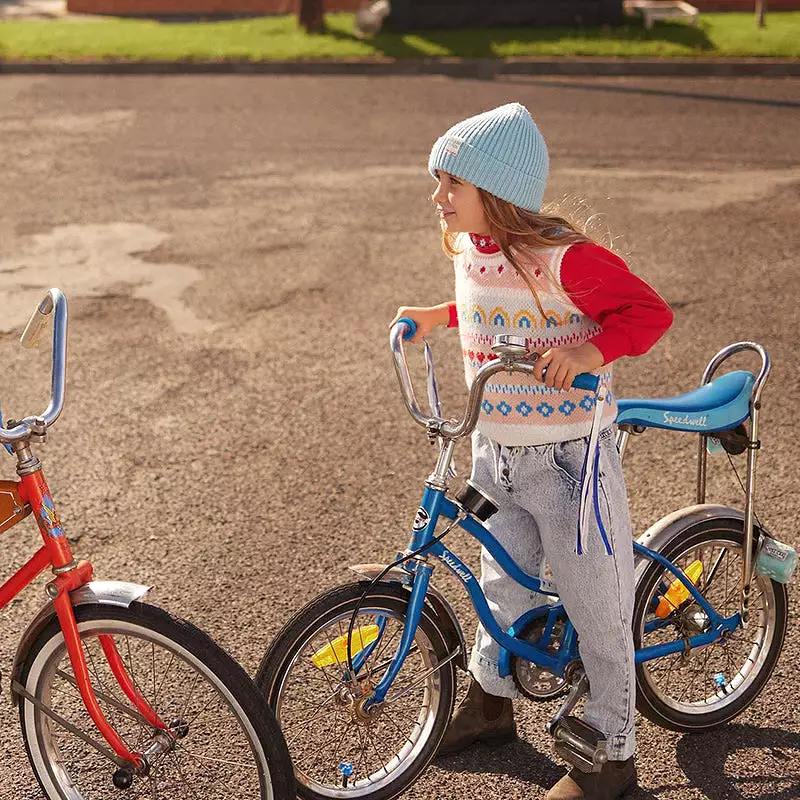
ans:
x=54 y=303
x=510 y=349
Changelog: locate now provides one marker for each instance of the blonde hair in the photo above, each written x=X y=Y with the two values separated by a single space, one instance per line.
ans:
x=521 y=235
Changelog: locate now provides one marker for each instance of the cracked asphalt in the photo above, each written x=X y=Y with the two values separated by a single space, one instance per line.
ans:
x=233 y=249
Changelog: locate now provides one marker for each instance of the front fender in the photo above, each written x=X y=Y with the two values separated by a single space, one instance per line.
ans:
x=661 y=533
x=437 y=602
x=112 y=593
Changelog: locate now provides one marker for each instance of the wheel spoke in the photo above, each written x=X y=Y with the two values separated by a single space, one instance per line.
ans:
x=689 y=685
x=381 y=752
x=217 y=760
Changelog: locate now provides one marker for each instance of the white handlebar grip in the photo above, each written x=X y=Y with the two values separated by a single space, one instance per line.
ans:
x=33 y=330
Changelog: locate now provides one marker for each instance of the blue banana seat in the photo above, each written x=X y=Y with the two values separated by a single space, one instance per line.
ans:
x=719 y=405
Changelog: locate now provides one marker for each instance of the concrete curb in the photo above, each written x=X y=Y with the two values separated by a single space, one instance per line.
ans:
x=476 y=68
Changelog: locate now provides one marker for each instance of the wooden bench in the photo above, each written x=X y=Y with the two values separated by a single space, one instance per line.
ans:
x=651 y=10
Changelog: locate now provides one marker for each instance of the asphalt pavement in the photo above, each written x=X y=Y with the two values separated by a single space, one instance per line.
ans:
x=233 y=249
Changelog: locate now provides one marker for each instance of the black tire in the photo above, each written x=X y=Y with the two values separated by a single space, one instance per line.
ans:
x=733 y=673
x=286 y=671
x=225 y=714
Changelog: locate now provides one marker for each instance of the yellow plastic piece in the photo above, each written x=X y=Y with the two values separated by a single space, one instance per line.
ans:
x=677 y=592
x=336 y=651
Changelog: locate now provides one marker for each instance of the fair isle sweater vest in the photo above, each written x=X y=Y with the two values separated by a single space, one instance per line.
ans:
x=492 y=299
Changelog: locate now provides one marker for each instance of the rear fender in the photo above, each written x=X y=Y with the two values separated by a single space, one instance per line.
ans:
x=110 y=593
x=659 y=535
x=438 y=604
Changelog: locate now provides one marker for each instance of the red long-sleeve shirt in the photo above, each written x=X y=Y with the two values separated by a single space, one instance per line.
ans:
x=633 y=316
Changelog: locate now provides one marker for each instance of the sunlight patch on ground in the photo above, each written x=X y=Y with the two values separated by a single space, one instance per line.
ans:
x=91 y=261
x=666 y=190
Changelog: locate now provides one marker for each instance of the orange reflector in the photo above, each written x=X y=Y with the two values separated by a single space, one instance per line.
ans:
x=677 y=592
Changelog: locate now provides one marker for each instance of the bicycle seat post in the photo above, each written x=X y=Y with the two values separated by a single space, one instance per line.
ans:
x=753 y=446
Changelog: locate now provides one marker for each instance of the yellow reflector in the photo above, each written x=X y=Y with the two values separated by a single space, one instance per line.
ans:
x=336 y=651
x=677 y=592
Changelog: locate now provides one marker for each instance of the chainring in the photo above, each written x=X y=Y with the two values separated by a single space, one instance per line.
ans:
x=532 y=681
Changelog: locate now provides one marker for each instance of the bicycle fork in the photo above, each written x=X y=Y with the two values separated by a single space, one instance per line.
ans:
x=71 y=575
x=416 y=603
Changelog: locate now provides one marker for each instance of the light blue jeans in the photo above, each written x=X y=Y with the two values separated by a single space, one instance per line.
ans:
x=537 y=490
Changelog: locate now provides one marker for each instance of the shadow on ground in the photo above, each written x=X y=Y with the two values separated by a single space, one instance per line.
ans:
x=730 y=764
x=599 y=86
x=726 y=764
x=484 y=43
x=516 y=760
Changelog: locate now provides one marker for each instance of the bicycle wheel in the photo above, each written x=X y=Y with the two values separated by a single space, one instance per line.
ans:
x=230 y=745
x=713 y=684
x=326 y=729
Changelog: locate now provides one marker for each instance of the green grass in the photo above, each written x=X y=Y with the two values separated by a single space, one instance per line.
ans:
x=277 y=38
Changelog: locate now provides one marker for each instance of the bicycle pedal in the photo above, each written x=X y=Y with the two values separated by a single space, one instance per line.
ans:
x=580 y=744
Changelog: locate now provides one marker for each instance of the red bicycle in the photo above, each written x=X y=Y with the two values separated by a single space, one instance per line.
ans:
x=115 y=694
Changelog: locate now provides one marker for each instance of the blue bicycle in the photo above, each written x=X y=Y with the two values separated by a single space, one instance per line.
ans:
x=362 y=679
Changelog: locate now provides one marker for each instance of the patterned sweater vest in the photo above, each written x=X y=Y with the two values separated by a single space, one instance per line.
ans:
x=492 y=299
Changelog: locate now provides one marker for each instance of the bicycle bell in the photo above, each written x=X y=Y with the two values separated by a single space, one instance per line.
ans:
x=510 y=347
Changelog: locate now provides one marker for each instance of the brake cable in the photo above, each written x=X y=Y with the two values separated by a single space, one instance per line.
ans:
x=377 y=578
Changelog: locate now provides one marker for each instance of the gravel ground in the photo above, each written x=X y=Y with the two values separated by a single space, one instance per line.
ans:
x=233 y=249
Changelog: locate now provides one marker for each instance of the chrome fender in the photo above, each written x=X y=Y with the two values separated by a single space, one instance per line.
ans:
x=435 y=600
x=110 y=593
x=661 y=533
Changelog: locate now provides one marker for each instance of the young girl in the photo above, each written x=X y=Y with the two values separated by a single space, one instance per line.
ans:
x=520 y=271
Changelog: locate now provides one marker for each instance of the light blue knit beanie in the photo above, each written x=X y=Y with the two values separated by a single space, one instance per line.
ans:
x=501 y=151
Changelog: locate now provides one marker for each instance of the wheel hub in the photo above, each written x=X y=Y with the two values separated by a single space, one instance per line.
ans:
x=363 y=714
x=163 y=741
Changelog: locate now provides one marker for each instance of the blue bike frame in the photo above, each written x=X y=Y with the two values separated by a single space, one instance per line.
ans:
x=436 y=504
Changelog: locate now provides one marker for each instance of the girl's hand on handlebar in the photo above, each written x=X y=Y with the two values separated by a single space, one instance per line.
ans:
x=426 y=318
x=564 y=363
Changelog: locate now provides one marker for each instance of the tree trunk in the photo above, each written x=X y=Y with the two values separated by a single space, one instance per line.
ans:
x=311 y=15
x=761 y=10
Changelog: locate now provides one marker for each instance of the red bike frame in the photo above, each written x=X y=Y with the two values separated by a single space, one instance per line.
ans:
x=69 y=575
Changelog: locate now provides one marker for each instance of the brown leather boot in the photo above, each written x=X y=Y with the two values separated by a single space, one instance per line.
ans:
x=616 y=778
x=480 y=717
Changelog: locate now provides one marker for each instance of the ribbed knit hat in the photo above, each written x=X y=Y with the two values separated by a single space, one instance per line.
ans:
x=501 y=151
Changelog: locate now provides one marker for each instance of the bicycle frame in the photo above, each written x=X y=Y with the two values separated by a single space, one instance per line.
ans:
x=437 y=505
x=32 y=491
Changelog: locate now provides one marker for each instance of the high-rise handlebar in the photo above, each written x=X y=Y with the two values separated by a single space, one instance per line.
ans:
x=512 y=353
x=53 y=304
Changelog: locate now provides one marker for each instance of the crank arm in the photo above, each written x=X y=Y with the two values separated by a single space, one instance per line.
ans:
x=578 y=689
x=17 y=688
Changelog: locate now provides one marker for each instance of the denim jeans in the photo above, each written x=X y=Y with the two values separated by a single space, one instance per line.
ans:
x=537 y=490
